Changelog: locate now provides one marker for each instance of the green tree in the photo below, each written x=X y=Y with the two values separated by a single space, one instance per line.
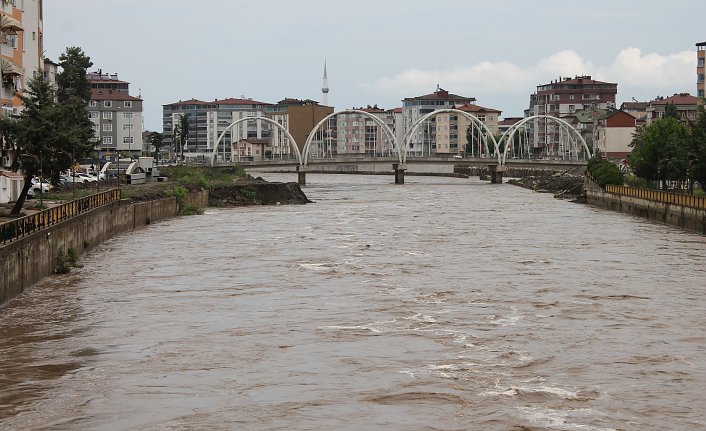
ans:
x=53 y=129
x=183 y=131
x=36 y=134
x=697 y=158
x=156 y=140
x=660 y=151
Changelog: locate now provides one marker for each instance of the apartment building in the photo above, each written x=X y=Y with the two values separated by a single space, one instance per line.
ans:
x=564 y=97
x=298 y=117
x=208 y=120
x=116 y=116
x=422 y=142
x=21 y=46
x=700 y=59
x=452 y=130
x=687 y=107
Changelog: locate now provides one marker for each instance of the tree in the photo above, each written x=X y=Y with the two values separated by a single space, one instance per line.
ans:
x=156 y=140
x=697 y=159
x=53 y=129
x=659 y=152
x=183 y=130
x=72 y=80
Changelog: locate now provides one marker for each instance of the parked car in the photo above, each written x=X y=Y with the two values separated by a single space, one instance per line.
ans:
x=40 y=186
x=100 y=175
x=80 y=177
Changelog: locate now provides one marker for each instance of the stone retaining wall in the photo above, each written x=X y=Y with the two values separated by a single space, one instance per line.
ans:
x=27 y=260
x=691 y=219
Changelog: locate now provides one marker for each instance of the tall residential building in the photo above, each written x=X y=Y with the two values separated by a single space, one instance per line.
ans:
x=561 y=98
x=700 y=58
x=416 y=107
x=298 y=117
x=21 y=39
x=21 y=47
x=116 y=116
x=452 y=135
x=208 y=120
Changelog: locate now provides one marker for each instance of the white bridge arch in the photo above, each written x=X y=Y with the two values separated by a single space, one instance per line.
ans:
x=292 y=142
x=377 y=120
x=476 y=122
x=573 y=137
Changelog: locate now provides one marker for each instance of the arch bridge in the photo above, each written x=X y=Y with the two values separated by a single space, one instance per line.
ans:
x=326 y=143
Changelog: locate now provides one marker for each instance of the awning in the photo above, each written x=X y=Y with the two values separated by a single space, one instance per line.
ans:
x=8 y=68
x=9 y=25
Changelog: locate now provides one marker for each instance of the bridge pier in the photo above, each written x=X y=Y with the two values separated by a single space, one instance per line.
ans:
x=301 y=175
x=399 y=172
x=496 y=173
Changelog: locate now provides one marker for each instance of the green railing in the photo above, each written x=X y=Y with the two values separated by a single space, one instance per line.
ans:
x=658 y=196
x=20 y=227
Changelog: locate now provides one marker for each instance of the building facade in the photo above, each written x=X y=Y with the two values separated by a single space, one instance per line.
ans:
x=298 y=117
x=700 y=59
x=116 y=116
x=21 y=47
x=414 y=108
x=687 y=107
x=208 y=120
x=561 y=98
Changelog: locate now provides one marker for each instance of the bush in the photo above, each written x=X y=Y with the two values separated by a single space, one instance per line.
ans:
x=605 y=172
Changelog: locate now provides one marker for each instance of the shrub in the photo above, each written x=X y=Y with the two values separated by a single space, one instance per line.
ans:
x=605 y=172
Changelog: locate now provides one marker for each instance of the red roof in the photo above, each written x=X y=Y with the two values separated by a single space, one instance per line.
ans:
x=678 y=99
x=188 y=102
x=105 y=94
x=232 y=101
x=475 y=108
x=397 y=110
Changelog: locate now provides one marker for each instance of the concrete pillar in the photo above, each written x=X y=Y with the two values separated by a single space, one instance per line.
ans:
x=399 y=172
x=496 y=173
x=301 y=174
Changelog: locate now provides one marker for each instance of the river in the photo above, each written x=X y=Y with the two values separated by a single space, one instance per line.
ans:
x=441 y=304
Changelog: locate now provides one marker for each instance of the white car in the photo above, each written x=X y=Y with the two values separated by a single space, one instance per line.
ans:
x=80 y=177
x=40 y=186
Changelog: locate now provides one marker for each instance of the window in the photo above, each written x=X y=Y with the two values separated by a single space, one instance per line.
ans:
x=127 y=104
x=128 y=127
x=108 y=103
x=128 y=115
x=107 y=115
x=93 y=103
x=572 y=108
x=128 y=140
x=93 y=115
x=107 y=127
x=481 y=117
x=107 y=140
x=572 y=96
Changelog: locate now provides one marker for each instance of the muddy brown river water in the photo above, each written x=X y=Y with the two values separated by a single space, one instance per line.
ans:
x=443 y=304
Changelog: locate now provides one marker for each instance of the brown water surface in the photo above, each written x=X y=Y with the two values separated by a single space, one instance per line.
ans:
x=443 y=304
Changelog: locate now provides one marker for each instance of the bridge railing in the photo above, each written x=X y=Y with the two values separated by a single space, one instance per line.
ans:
x=15 y=229
x=658 y=196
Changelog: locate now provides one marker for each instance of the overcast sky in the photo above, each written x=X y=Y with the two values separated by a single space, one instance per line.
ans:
x=379 y=51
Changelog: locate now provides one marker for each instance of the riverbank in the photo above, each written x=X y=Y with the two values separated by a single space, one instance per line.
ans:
x=564 y=185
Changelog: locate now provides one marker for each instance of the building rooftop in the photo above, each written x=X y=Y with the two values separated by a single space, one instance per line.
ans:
x=441 y=94
x=99 y=76
x=104 y=94
x=678 y=99
x=469 y=107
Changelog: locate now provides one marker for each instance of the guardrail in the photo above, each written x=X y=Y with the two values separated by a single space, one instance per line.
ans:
x=657 y=196
x=15 y=229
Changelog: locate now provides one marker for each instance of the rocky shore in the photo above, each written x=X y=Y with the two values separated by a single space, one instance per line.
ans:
x=564 y=185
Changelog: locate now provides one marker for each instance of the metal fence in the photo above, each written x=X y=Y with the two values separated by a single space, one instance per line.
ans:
x=20 y=227
x=658 y=196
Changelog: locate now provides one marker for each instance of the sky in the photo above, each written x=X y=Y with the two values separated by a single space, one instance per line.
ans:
x=379 y=52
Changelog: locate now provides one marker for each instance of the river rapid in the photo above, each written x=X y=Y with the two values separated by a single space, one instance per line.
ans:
x=441 y=304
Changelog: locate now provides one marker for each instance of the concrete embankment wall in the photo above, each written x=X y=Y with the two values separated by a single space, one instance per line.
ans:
x=688 y=218
x=27 y=260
